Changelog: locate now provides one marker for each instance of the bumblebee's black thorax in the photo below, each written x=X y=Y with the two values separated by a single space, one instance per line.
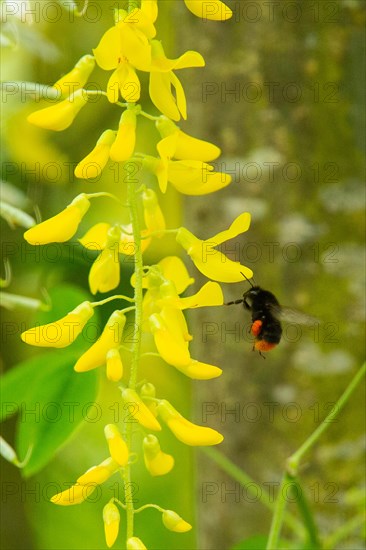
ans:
x=260 y=303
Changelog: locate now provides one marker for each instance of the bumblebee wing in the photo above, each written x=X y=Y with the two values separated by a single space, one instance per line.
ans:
x=290 y=315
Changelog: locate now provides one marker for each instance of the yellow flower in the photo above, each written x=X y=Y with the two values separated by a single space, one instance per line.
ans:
x=62 y=227
x=211 y=262
x=209 y=295
x=114 y=369
x=104 y=274
x=186 y=431
x=174 y=270
x=125 y=82
x=138 y=411
x=77 y=77
x=96 y=475
x=212 y=9
x=153 y=216
x=74 y=495
x=92 y=165
x=117 y=446
x=173 y=522
x=61 y=333
x=162 y=79
x=185 y=146
x=111 y=519
x=110 y=338
x=134 y=543
x=127 y=41
x=60 y=116
x=156 y=462
x=124 y=145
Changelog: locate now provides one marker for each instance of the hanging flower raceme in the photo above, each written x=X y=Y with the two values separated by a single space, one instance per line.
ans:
x=211 y=262
x=61 y=333
x=163 y=79
x=110 y=339
x=62 y=227
x=186 y=431
x=156 y=462
x=77 y=77
x=60 y=116
x=86 y=483
x=214 y=9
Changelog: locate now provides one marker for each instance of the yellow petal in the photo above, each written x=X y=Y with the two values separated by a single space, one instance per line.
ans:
x=174 y=270
x=186 y=431
x=156 y=462
x=214 y=9
x=138 y=411
x=104 y=274
x=173 y=522
x=97 y=236
x=92 y=165
x=161 y=63
x=74 y=495
x=193 y=177
x=153 y=216
x=114 y=365
x=110 y=338
x=239 y=225
x=111 y=519
x=61 y=333
x=96 y=475
x=124 y=81
x=161 y=95
x=199 y=371
x=60 y=116
x=107 y=53
x=124 y=145
x=117 y=446
x=180 y=95
x=150 y=9
x=170 y=336
x=77 y=77
x=59 y=228
x=189 y=147
x=134 y=44
x=134 y=543
x=209 y=295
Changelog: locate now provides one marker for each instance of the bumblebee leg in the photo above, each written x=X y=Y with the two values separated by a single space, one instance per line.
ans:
x=261 y=354
x=235 y=302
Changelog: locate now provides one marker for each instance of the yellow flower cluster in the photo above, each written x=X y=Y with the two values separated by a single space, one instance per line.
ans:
x=127 y=48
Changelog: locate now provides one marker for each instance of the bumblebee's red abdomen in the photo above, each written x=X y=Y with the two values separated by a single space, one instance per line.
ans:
x=262 y=345
x=256 y=327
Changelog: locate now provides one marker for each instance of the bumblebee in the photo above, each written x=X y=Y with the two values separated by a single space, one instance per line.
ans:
x=267 y=314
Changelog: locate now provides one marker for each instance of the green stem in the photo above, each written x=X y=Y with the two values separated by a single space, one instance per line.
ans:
x=149 y=506
x=294 y=460
x=278 y=516
x=251 y=486
x=306 y=513
x=110 y=298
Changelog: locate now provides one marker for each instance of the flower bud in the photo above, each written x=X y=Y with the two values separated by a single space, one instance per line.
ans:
x=110 y=338
x=74 y=495
x=173 y=522
x=96 y=475
x=124 y=145
x=62 y=227
x=153 y=216
x=92 y=165
x=186 y=431
x=139 y=411
x=156 y=462
x=59 y=116
x=134 y=543
x=77 y=77
x=60 y=333
x=116 y=444
x=111 y=519
x=114 y=365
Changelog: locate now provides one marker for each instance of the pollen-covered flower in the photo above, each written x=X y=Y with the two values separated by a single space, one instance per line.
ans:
x=124 y=145
x=61 y=333
x=183 y=146
x=156 y=462
x=134 y=543
x=117 y=446
x=92 y=165
x=162 y=79
x=211 y=262
x=186 y=431
x=62 y=227
x=111 y=519
x=77 y=77
x=214 y=9
x=139 y=411
x=173 y=522
x=60 y=116
x=110 y=339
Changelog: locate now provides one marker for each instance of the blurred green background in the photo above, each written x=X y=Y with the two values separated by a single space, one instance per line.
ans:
x=282 y=94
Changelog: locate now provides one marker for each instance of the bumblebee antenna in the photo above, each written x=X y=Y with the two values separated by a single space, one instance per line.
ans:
x=246 y=278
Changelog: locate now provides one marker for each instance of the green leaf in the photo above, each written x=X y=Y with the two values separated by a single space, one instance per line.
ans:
x=52 y=401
